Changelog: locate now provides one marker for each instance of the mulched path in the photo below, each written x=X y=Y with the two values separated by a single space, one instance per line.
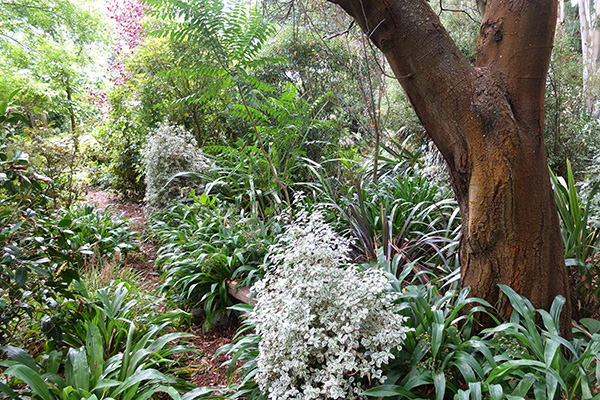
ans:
x=206 y=370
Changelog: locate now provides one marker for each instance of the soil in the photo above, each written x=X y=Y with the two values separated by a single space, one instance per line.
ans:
x=206 y=370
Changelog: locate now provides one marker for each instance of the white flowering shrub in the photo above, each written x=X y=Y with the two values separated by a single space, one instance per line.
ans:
x=170 y=149
x=326 y=330
x=434 y=166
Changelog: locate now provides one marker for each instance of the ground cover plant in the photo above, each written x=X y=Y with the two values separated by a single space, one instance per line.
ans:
x=442 y=355
x=112 y=352
x=205 y=244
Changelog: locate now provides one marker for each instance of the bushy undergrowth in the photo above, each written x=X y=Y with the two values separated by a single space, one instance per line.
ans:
x=404 y=213
x=170 y=150
x=113 y=350
x=205 y=244
x=326 y=331
x=42 y=255
x=442 y=355
x=581 y=237
x=444 y=358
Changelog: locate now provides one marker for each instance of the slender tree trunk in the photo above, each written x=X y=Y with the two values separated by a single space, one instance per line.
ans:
x=590 y=48
x=487 y=122
x=70 y=100
x=560 y=21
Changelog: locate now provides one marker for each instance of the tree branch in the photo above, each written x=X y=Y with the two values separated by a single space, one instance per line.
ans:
x=418 y=47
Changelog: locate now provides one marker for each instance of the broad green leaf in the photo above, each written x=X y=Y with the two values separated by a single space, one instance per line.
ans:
x=475 y=389
x=508 y=366
x=21 y=356
x=592 y=325
x=464 y=394
x=32 y=379
x=197 y=393
x=551 y=384
x=141 y=376
x=76 y=369
x=20 y=277
x=388 y=391
x=8 y=391
x=437 y=336
x=525 y=384
x=439 y=381
x=95 y=350
x=550 y=350
x=496 y=392
x=53 y=362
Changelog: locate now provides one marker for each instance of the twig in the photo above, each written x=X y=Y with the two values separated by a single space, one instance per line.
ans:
x=442 y=9
x=341 y=33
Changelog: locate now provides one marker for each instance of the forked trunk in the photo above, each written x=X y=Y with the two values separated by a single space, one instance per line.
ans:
x=488 y=123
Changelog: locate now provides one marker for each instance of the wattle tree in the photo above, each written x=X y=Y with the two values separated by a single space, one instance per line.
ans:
x=487 y=120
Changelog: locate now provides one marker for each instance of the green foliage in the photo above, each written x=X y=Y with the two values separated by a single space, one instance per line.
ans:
x=292 y=128
x=443 y=358
x=41 y=257
x=45 y=56
x=570 y=133
x=581 y=237
x=229 y=41
x=403 y=214
x=118 y=152
x=242 y=176
x=234 y=35
x=8 y=116
x=57 y=160
x=204 y=245
x=462 y=23
x=112 y=355
x=18 y=181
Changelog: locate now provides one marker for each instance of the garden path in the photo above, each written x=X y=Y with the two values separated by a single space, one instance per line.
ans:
x=205 y=369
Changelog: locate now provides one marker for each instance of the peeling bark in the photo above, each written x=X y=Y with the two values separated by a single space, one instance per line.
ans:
x=487 y=122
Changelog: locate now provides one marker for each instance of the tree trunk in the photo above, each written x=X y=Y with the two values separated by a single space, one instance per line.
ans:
x=487 y=122
x=70 y=103
x=590 y=48
x=560 y=20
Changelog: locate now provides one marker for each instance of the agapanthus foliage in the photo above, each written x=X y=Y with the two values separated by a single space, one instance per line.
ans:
x=326 y=328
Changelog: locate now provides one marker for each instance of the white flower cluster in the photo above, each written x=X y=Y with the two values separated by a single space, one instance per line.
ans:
x=170 y=149
x=326 y=330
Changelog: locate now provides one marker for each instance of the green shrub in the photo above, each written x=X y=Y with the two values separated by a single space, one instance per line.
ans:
x=57 y=157
x=42 y=255
x=116 y=157
x=444 y=358
x=570 y=132
x=581 y=238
